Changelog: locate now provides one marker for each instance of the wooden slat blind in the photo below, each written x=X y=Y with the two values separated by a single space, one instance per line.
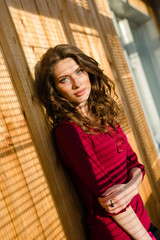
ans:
x=25 y=200
x=36 y=27
x=20 y=70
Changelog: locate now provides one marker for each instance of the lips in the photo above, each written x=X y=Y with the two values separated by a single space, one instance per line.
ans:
x=80 y=93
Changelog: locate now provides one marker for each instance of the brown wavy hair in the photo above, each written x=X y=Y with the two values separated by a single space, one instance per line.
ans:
x=101 y=104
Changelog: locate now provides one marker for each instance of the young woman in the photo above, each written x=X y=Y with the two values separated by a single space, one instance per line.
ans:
x=79 y=102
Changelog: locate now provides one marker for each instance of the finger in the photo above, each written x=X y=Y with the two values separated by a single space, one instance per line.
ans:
x=117 y=202
x=104 y=205
x=110 y=191
x=114 y=210
x=108 y=198
x=104 y=199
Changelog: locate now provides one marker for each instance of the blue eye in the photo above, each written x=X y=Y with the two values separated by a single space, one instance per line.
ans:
x=79 y=71
x=63 y=80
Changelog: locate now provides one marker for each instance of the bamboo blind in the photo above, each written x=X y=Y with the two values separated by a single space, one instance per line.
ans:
x=39 y=25
x=27 y=209
x=68 y=213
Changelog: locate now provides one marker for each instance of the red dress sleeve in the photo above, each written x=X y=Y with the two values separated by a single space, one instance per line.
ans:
x=77 y=154
x=132 y=159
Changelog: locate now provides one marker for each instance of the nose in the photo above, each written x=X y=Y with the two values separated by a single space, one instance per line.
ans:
x=75 y=82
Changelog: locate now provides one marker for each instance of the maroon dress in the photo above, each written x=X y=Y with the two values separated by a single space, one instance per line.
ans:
x=97 y=162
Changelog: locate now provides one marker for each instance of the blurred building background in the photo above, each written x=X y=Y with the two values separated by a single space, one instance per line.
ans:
x=37 y=197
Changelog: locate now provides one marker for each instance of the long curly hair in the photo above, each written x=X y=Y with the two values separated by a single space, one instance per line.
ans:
x=101 y=104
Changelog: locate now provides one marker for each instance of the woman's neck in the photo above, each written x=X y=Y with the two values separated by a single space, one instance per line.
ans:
x=83 y=109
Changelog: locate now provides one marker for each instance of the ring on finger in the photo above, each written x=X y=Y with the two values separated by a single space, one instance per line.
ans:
x=112 y=205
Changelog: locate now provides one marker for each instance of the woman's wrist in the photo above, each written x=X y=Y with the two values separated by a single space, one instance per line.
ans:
x=132 y=187
x=129 y=221
x=135 y=179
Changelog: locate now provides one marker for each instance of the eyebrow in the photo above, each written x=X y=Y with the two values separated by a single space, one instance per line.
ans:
x=67 y=75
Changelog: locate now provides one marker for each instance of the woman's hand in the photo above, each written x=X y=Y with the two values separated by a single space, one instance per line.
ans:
x=120 y=195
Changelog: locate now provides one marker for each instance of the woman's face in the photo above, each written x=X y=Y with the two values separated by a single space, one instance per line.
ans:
x=72 y=82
